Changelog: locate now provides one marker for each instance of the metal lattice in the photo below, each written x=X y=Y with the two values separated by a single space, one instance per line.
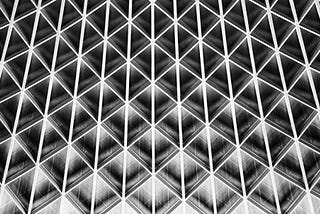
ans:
x=160 y=106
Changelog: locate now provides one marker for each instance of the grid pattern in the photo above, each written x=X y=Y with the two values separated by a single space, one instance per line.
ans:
x=160 y=106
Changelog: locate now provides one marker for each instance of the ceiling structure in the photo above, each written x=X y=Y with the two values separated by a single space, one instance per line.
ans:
x=161 y=106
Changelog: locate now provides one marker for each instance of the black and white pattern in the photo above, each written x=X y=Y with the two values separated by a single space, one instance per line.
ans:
x=159 y=106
